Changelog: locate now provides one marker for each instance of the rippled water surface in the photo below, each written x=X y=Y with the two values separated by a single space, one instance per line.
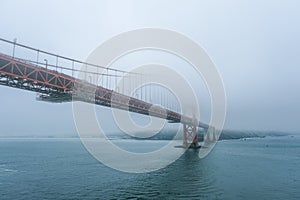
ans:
x=267 y=168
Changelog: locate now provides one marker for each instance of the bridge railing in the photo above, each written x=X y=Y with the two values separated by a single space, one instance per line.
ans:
x=109 y=78
x=64 y=64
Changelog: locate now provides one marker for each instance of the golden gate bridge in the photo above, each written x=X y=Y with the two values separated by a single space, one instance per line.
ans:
x=55 y=79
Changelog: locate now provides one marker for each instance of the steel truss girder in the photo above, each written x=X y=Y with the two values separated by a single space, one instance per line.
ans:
x=57 y=87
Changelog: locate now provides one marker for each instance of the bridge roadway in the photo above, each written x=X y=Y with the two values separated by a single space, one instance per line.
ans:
x=57 y=87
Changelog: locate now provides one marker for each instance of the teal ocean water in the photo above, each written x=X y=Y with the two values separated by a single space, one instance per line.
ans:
x=256 y=168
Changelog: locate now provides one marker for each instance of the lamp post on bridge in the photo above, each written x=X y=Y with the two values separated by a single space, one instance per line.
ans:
x=46 y=63
x=14 y=47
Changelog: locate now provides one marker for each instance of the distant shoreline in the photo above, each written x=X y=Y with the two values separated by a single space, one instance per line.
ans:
x=226 y=135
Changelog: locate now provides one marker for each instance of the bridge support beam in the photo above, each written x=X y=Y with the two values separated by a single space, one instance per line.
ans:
x=190 y=139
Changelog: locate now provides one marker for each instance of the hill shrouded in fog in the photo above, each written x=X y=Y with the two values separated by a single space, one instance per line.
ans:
x=225 y=135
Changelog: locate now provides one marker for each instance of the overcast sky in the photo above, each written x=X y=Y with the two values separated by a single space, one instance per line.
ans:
x=254 y=44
